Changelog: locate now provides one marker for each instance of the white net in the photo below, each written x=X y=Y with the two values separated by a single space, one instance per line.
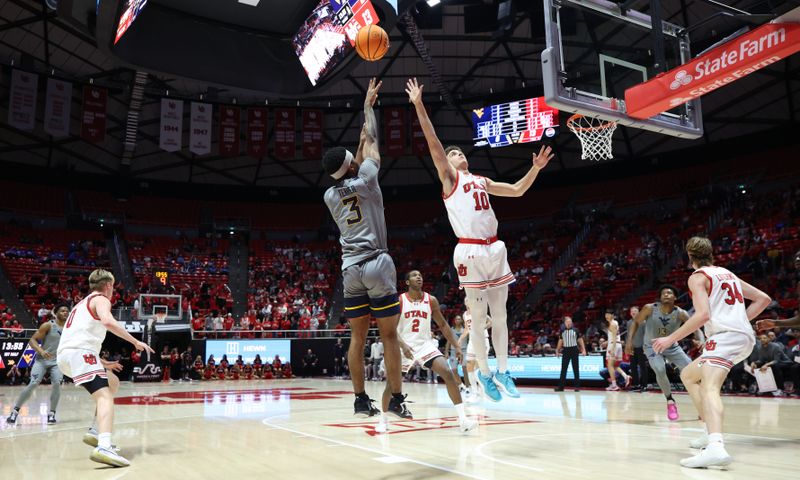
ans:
x=595 y=136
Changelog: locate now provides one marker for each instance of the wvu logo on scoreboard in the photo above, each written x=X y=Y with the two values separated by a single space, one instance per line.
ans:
x=478 y=112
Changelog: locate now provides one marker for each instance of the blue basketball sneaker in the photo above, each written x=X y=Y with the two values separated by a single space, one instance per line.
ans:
x=506 y=384
x=489 y=387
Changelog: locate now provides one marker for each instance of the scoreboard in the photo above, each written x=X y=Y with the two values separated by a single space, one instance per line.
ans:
x=328 y=35
x=522 y=121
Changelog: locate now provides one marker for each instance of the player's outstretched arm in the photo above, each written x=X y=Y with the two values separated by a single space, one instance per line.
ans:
x=370 y=149
x=447 y=173
x=103 y=309
x=762 y=325
x=518 y=189
x=362 y=138
x=698 y=284
x=759 y=300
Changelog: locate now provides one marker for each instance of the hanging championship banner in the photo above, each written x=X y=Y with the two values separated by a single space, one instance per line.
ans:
x=312 y=134
x=229 y=117
x=93 y=119
x=256 y=132
x=57 y=107
x=200 y=128
x=285 y=124
x=394 y=124
x=22 y=100
x=171 y=125
x=419 y=146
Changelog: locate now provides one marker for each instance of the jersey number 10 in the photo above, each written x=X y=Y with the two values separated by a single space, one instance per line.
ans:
x=481 y=200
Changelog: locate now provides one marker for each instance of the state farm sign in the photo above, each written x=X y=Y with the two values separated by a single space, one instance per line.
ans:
x=716 y=68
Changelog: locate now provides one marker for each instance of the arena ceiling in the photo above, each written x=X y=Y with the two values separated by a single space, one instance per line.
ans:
x=476 y=69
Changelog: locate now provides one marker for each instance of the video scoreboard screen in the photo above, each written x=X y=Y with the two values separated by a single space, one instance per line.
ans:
x=522 y=121
x=329 y=34
x=129 y=14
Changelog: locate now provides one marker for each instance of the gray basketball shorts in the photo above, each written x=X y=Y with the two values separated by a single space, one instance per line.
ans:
x=371 y=287
x=673 y=354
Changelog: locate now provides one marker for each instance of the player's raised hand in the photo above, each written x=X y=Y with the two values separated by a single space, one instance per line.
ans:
x=414 y=91
x=139 y=346
x=543 y=158
x=762 y=325
x=372 y=91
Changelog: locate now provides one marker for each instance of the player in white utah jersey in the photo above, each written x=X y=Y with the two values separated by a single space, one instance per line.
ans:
x=79 y=357
x=417 y=309
x=480 y=258
x=718 y=298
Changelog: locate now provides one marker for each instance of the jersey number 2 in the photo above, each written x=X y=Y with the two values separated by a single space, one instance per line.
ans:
x=733 y=294
x=352 y=202
x=415 y=325
x=481 y=200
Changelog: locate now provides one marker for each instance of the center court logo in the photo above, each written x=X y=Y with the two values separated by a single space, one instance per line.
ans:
x=681 y=78
x=232 y=348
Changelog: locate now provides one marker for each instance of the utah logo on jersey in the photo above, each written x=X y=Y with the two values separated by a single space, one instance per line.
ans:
x=462 y=270
x=711 y=345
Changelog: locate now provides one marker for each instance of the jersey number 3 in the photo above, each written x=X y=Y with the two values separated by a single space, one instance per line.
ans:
x=733 y=294
x=352 y=203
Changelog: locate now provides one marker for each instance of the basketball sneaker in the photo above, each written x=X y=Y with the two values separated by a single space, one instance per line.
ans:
x=109 y=457
x=612 y=388
x=363 y=407
x=489 y=387
x=398 y=408
x=90 y=438
x=12 y=419
x=467 y=425
x=51 y=417
x=699 y=442
x=672 y=411
x=506 y=384
x=711 y=456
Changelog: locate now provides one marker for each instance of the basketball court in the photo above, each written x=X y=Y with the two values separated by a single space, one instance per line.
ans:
x=304 y=428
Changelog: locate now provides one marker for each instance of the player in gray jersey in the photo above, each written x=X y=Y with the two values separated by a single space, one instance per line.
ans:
x=49 y=334
x=369 y=275
x=661 y=319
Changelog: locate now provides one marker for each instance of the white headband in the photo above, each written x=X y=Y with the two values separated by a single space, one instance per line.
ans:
x=348 y=159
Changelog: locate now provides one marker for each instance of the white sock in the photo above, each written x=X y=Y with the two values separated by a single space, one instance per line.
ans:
x=473 y=378
x=715 y=438
x=705 y=429
x=384 y=418
x=461 y=414
x=104 y=440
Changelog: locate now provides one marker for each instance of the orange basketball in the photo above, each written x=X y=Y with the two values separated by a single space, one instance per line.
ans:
x=372 y=43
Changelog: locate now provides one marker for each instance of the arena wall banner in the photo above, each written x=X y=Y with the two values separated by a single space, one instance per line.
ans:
x=200 y=128
x=57 y=107
x=229 y=124
x=419 y=146
x=22 y=99
x=93 y=118
x=248 y=349
x=549 y=368
x=171 y=125
x=285 y=125
x=312 y=134
x=257 y=132
x=394 y=124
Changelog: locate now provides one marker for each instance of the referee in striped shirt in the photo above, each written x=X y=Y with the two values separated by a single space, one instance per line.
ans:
x=571 y=339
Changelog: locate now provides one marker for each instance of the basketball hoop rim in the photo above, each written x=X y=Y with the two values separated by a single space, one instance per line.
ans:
x=604 y=126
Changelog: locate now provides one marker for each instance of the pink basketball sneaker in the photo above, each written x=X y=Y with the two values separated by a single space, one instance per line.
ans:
x=672 y=411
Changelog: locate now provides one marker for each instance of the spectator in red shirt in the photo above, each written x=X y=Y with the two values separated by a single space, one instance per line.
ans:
x=197 y=326
x=227 y=324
